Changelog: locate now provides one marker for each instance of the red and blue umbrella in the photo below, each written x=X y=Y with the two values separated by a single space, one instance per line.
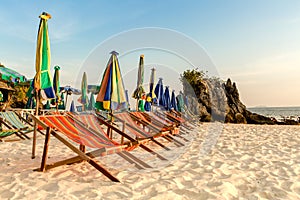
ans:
x=111 y=95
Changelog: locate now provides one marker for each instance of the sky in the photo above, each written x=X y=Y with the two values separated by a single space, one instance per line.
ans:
x=255 y=43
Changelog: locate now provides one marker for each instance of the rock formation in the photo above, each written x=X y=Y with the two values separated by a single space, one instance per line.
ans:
x=218 y=101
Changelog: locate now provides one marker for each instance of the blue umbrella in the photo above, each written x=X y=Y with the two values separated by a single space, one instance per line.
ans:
x=167 y=98
x=159 y=92
x=147 y=105
x=72 y=107
x=173 y=101
x=151 y=89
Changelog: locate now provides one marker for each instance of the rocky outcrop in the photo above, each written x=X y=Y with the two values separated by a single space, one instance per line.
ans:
x=219 y=101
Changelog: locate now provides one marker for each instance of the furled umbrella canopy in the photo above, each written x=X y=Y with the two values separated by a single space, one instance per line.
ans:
x=83 y=99
x=173 y=101
x=159 y=93
x=180 y=102
x=42 y=80
x=72 y=107
x=91 y=105
x=137 y=94
x=111 y=95
x=167 y=98
x=56 y=85
x=151 y=87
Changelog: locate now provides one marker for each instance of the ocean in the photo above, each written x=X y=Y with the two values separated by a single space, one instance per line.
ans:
x=277 y=112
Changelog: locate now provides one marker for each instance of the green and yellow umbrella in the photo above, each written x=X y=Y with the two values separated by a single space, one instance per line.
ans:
x=42 y=80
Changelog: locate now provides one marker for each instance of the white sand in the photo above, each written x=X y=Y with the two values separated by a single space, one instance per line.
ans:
x=223 y=162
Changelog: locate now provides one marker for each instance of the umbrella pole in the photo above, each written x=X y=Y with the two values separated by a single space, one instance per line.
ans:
x=35 y=124
x=112 y=122
x=66 y=101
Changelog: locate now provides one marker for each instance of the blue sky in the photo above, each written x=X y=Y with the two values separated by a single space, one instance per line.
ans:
x=255 y=43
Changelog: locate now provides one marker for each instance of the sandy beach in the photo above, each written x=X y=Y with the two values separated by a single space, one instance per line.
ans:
x=221 y=161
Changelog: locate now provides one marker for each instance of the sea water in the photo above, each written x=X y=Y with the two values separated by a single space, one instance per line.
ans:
x=277 y=112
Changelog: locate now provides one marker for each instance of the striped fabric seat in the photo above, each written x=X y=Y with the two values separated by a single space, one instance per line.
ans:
x=143 y=118
x=141 y=134
x=77 y=132
x=165 y=122
x=6 y=133
x=14 y=120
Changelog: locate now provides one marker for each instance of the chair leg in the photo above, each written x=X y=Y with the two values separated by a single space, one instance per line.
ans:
x=45 y=152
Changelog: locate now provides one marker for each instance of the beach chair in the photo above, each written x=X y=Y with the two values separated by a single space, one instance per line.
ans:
x=77 y=132
x=6 y=133
x=138 y=131
x=176 y=119
x=93 y=121
x=165 y=122
x=165 y=132
x=13 y=122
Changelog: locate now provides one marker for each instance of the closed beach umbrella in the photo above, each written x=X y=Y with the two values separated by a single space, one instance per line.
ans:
x=84 y=97
x=173 y=101
x=167 y=98
x=56 y=85
x=42 y=83
x=91 y=105
x=111 y=95
x=151 y=87
x=180 y=102
x=72 y=107
x=137 y=94
x=159 y=93
x=42 y=80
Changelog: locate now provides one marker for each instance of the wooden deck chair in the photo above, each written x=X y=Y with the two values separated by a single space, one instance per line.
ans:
x=93 y=121
x=140 y=133
x=6 y=133
x=13 y=122
x=176 y=119
x=167 y=123
x=79 y=134
x=167 y=132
